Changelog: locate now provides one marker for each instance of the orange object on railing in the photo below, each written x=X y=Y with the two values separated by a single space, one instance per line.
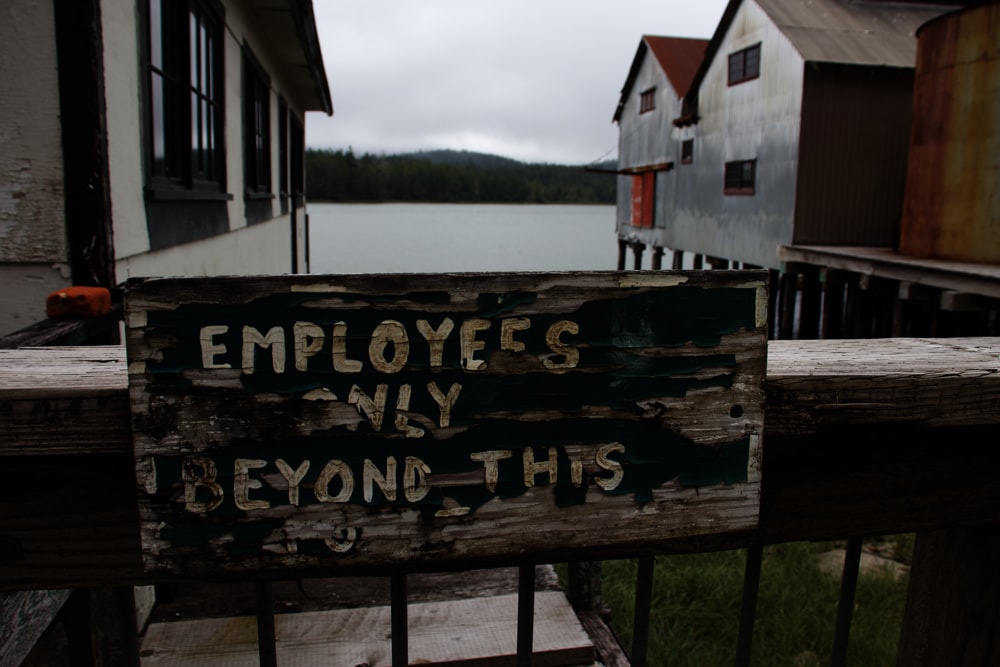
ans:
x=78 y=302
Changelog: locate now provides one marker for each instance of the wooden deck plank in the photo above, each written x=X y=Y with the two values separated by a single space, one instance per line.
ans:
x=454 y=633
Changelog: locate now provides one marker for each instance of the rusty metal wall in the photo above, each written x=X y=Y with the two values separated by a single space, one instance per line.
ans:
x=952 y=201
x=853 y=146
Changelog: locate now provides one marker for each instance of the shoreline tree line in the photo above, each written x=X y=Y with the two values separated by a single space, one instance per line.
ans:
x=451 y=177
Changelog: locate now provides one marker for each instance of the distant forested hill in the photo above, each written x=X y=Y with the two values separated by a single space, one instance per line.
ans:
x=450 y=176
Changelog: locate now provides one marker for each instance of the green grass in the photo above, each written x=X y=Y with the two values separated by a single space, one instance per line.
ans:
x=696 y=607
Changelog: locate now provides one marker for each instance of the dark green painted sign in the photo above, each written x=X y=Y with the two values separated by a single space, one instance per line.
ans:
x=360 y=421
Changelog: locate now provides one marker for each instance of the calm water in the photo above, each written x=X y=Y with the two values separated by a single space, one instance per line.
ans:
x=417 y=238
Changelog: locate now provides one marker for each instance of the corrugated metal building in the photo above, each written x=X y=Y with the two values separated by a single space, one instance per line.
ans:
x=796 y=127
x=661 y=72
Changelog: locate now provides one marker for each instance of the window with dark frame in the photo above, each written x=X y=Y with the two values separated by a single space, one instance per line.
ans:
x=687 y=151
x=744 y=65
x=184 y=101
x=298 y=156
x=283 y=160
x=647 y=100
x=740 y=177
x=256 y=128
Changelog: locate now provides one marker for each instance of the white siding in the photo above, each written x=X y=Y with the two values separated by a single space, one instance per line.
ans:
x=264 y=248
x=123 y=102
x=33 y=252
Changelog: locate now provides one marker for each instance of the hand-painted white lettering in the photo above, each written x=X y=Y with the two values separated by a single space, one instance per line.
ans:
x=415 y=473
x=331 y=471
x=371 y=475
x=293 y=477
x=531 y=468
x=576 y=473
x=489 y=460
x=242 y=483
x=341 y=545
x=275 y=340
x=308 y=341
x=444 y=403
x=194 y=481
x=612 y=466
x=341 y=363
x=372 y=409
x=209 y=348
x=508 y=327
x=402 y=420
x=571 y=355
x=389 y=331
x=435 y=339
x=470 y=345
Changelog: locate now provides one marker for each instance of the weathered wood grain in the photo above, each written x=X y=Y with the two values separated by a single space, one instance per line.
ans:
x=24 y=616
x=336 y=423
x=71 y=520
x=453 y=633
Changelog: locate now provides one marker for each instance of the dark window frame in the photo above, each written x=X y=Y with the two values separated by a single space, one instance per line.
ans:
x=647 y=100
x=740 y=177
x=687 y=151
x=256 y=128
x=284 y=162
x=184 y=100
x=297 y=155
x=744 y=65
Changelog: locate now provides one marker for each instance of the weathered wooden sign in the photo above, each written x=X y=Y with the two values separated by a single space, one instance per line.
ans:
x=355 y=422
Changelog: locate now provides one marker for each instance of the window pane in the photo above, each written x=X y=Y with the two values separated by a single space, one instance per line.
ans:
x=205 y=43
x=196 y=157
x=751 y=65
x=155 y=34
x=158 y=124
x=736 y=67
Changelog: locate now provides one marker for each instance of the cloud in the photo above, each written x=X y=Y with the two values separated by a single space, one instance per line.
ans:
x=534 y=80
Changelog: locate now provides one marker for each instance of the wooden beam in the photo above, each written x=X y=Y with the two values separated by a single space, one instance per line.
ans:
x=983 y=279
x=861 y=437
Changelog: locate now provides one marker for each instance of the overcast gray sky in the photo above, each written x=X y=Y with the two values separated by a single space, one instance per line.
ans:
x=535 y=80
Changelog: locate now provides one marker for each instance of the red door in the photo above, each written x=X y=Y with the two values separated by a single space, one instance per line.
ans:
x=643 y=199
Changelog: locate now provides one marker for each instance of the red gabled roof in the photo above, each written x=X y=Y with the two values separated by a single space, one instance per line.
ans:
x=678 y=57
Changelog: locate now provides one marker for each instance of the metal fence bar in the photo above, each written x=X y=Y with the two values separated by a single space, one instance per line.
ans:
x=400 y=636
x=266 y=643
x=845 y=609
x=641 y=615
x=125 y=598
x=748 y=608
x=525 y=614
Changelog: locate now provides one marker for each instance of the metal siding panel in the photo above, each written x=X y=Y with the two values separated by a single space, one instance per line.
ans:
x=872 y=33
x=756 y=119
x=853 y=151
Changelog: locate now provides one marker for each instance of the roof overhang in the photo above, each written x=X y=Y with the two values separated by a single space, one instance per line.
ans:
x=289 y=28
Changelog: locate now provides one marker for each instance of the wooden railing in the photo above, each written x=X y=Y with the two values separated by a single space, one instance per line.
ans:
x=862 y=437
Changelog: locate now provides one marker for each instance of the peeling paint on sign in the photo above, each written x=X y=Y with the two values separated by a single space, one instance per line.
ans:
x=284 y=422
